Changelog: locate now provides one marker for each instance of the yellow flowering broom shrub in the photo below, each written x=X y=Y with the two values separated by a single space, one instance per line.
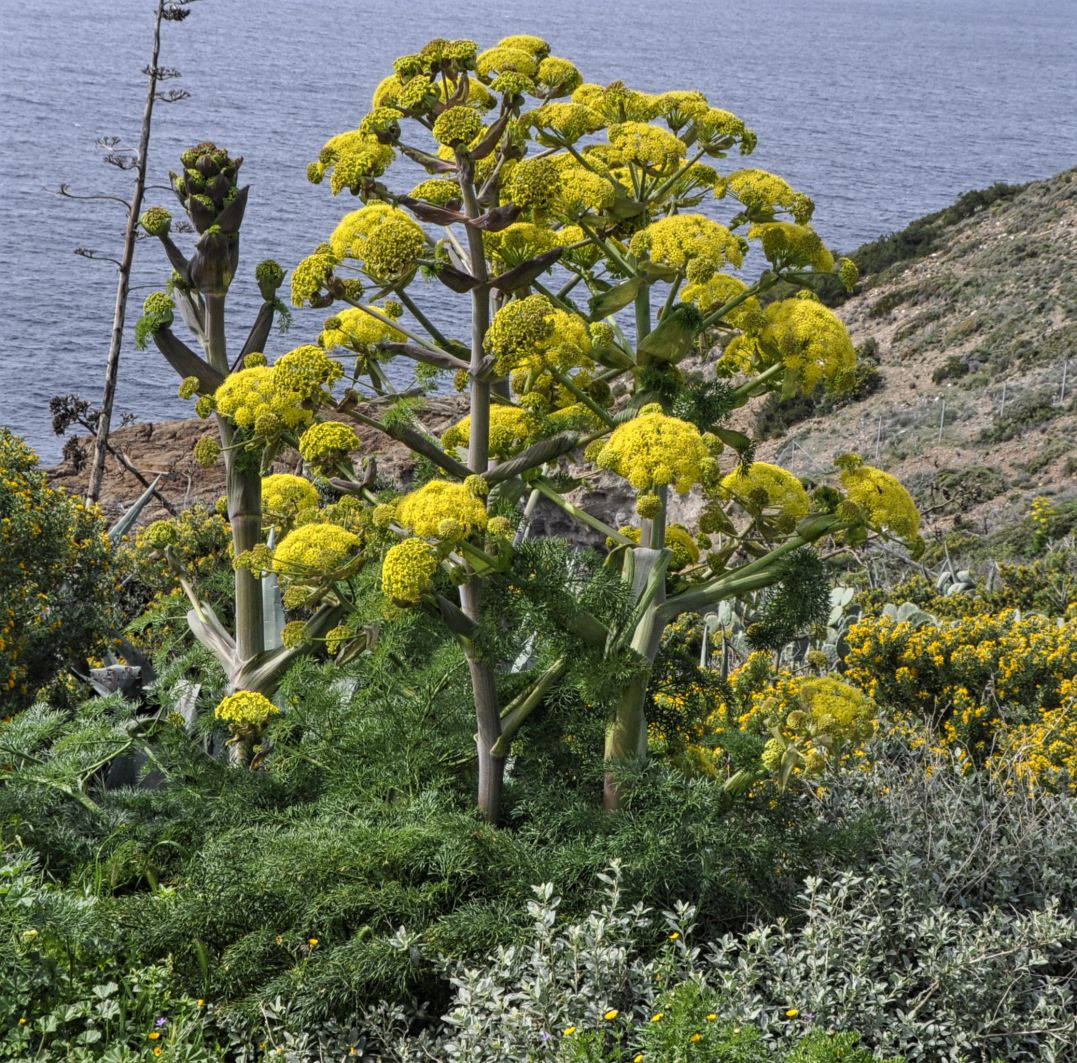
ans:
x=986 y=685
x=58 y=599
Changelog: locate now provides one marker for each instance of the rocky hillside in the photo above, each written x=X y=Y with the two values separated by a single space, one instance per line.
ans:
x=974 y=327
x=971 y=316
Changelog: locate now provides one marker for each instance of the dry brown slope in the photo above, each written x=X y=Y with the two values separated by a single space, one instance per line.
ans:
x=974 y=341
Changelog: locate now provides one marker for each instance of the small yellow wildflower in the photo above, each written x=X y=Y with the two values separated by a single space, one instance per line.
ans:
x=792 y=1013
x=312 y=942
x=658 y=1016
x=570 y=1030
x=711 y=1016
x=154 y=1036
x=610 y=1015
x=674 y=936
x=696 y=1037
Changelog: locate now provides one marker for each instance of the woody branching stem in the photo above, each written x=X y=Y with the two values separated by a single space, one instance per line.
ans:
x=104 y=423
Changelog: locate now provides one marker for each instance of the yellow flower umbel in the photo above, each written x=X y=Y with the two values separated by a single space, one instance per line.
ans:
x=442 y=510
x=815 y=722
x=511 y=429
x=385 y=240
x=309 y=371
x=457 y=126
x=811 y=340
x=317 y=551
x=764 y=194
x=652 y=148
x=408 y=571
x=788 y=245
x=654 y=450
x=310 y=278
x=245 y=712
x=255 y=400
x=762 y=488
x=882 y=499
x=562 y=124
x=530 y=335
x=353 y=159
x=693 y=244
x=721 y=289
x=285 y=498
x=356 y=330
x=327 y=444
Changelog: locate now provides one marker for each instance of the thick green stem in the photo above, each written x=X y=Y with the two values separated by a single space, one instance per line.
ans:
x=483 y=681
x=626 y=737
x=244 y=485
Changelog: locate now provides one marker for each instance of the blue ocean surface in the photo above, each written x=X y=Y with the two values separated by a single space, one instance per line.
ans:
x=882 y=110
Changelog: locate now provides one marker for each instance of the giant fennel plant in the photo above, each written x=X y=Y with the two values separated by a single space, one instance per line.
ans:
x=568 y=216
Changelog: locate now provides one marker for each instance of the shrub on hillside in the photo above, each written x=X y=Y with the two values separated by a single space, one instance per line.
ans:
x=57 y=580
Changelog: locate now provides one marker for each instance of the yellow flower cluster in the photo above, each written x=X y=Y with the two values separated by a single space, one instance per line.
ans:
x=383 y=238
x=811 y=340
x=246 y=711
x=764 y=194
x=531 y=334
x=316 y=551
x=356 y=330
x=557 y=77
x=716 y=131
x=511 y=429
x=562 y=124
x=441 y=509
x=788 y=245
x=988 y=683
x=880 y=497
x=285 y=498
x=617 y=103
x=254 y=400
x=327 y=442
x=58 y=596
x=1043 y=752
x=679 y=108
x=654 y=450
x=311 y=277
x=408 y=571
x=353 y=158
x=533 y=184
x=721 y=289
x=307 y=370
x=438 y=191
x=693 y=244
x=517 y=243
x=765 y=488
x=457 y=126
x=650 y=147
x=264 y=399
x=503 y=58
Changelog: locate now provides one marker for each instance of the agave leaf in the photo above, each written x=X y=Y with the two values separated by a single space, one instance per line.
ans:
x=123 y=525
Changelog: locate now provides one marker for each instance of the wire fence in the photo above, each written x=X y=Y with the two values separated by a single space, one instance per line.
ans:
x=948 y=417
